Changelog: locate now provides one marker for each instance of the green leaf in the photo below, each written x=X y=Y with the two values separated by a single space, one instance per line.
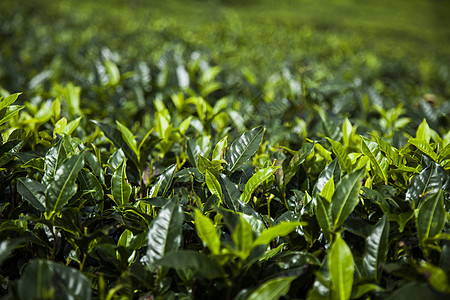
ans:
x=341 y=152
x=200 y=263
x=128 y=137
x=242 y=237
x=8 y=112
x=165 y=180
x=272 y=289
x=113 y=72
x=328 y=190
x=402 y=219
x=44 y=279
x=71 y=126
x=53 y=159
x=207 y=232
x=331 y=170
x=193 y=150
x=213 y=184
x=379 y=161
x=94 y=164
x=8 y=100
x=347 y=129
x=425 y=147
x=423 y=131
x=33 y=192
x=362 y=289
x=63 y=187
x=219 y=150
x=323 y=216
x=437 y=277
x=345 y=198
x=91 y=183
x=341 y=268
x=281 y=229
x=120 y=188
x=376 y=249
x=429 y=180
x=243 y=148
x=296 y=161
x=391 y=153
x=164 y=234
x=115 y=136
x=257 y=179
x=431 y=217
x=230 y=191
x=7 y=247
x=59 y=127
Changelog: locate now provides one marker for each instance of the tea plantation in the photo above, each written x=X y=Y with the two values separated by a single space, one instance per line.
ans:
x=224 y=149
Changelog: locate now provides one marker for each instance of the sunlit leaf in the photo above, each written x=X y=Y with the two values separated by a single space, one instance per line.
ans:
x=257 y=179
x=207 y=232
x=272 y=289
x=121 y=189
x=63 y=187
x=345 y=198
x=164 y=234
x=243 y=148
x=341 y=268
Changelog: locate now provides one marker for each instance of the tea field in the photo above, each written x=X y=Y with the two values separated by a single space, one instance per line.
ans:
x=224 y=149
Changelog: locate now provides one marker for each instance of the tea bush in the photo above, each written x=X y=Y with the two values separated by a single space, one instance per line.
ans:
x=145 y=163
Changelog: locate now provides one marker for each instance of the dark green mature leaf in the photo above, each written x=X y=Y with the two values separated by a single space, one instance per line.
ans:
x=200 y=263
x=166 y=179
x=432 y=216
x=323 y=216
x=415 y=290
x=379 y=161
x=332 y=169
x=164 y=234
x=7 y=247
x=296 y=161
x=94 y=164
x=49 y=280
x=230 y=191
x=341 y=268
x=63 y=187
x=32 y=191
x=429 y=180
x=121 y=189
x=115 y=136
x=243 y=148
x=193 y=150
x=376 y=249
x=53 y=159
x=272 y=289
x=89 y=182
x=257 y=179
x=345 y=198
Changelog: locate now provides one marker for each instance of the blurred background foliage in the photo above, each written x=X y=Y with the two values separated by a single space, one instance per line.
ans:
x=346 y=56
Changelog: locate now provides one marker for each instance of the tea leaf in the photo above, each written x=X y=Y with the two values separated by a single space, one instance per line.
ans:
x=63 y=187
x=345 y=198
x=243 y=148
x=164 y=235
x=341 y=268
x=207 y=232
x=257 y=179
x=272 y=289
